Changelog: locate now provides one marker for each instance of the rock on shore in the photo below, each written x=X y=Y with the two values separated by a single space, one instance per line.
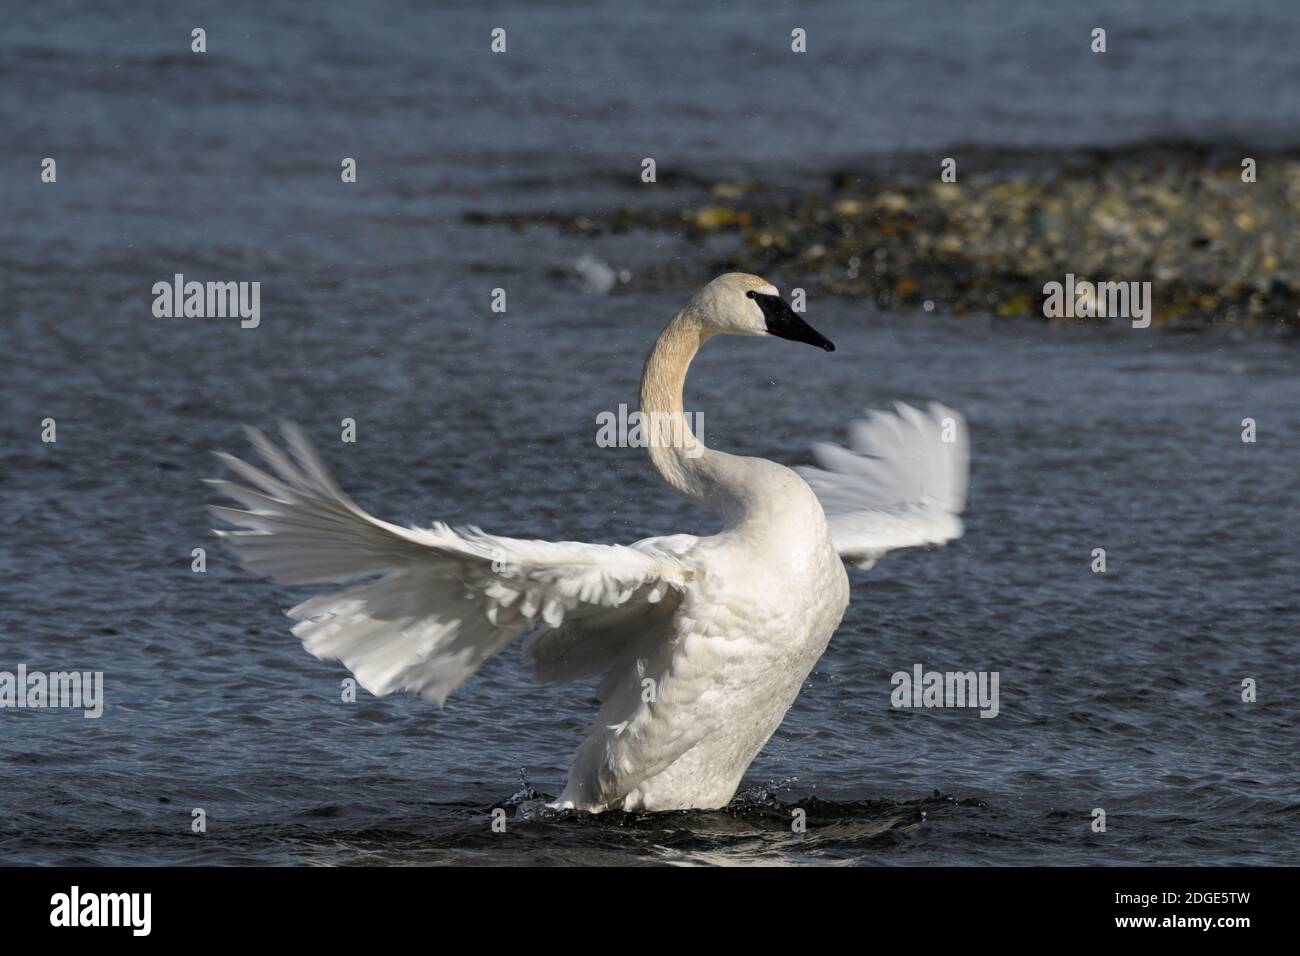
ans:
x=1216 y=249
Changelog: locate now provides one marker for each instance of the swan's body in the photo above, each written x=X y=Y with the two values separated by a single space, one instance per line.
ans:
x=766 y=595
x=705 y=641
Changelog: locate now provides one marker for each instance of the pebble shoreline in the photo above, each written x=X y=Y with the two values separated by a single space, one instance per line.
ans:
x=1216 y=250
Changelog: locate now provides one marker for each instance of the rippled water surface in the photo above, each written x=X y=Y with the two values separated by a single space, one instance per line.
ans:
x=1118 y=691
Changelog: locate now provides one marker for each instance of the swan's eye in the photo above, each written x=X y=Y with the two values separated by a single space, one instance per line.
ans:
x=749 y=294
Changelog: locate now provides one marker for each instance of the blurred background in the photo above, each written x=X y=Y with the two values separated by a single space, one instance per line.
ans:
x=522 y=171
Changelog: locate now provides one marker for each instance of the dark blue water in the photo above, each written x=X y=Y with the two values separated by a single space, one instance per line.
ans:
x=1118 y=691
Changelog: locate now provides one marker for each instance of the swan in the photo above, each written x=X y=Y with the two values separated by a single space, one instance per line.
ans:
x=704 y=642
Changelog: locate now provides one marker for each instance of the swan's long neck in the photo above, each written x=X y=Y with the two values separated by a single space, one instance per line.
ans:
x=677 y=454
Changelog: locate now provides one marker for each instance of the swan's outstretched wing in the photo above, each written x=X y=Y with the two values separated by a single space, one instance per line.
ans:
x=593 y=637
x=440 y=601
x=901 y=483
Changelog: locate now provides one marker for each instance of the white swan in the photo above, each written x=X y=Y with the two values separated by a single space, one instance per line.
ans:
x=705 y=641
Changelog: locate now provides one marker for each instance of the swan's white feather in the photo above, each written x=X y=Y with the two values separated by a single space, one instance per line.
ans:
x=706 y=641
x=901 y=483
x=593 y=638
x=443 y=600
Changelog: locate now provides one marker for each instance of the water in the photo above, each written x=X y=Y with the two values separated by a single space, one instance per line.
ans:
x=1119 y=691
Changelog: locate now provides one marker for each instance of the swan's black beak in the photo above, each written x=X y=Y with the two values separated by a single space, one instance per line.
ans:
x=784 y=322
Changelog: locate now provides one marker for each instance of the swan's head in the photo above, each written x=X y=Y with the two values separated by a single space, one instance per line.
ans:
x=741 y=304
